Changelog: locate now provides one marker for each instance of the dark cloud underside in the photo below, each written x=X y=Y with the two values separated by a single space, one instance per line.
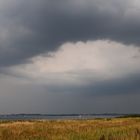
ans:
x=34 y=27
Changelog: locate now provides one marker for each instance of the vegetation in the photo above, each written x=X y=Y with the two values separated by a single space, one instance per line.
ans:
x=97 y=129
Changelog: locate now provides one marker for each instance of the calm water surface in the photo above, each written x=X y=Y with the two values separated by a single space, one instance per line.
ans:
x=53 y=117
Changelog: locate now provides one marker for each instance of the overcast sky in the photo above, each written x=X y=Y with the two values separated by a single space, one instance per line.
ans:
x=69 y=56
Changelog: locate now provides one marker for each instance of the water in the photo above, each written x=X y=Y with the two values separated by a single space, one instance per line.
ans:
x=55 y=117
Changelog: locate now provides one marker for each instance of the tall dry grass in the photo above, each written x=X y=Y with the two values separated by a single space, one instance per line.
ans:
x=102 y=129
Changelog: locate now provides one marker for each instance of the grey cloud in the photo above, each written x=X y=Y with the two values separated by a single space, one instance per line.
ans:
x=31 y=28
x=125 y=85
x=34 y=27
x=33 y=98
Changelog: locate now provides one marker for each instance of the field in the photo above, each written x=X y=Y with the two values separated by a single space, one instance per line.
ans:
x=97 y=129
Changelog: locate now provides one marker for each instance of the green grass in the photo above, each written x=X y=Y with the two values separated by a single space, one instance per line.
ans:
x=98 y=129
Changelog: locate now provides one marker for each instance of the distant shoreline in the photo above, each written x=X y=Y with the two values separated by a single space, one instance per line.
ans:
x=64 y=116
x=74 y=114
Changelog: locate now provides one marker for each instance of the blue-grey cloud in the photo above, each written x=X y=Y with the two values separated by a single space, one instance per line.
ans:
x=22 y=97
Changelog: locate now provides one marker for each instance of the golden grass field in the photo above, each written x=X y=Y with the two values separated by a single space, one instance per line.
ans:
x=97 y=129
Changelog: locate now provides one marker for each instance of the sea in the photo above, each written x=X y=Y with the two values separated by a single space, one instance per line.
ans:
x=57 y=116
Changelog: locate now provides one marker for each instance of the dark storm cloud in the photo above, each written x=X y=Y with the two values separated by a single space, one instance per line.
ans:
x=119 y=98
x=125 y=85
x=34 y=27
x=107 y=96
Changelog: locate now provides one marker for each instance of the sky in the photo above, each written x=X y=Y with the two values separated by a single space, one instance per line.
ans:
x=69 y=56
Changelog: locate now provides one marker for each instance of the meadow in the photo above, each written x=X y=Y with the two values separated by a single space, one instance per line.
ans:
x=97 y=129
